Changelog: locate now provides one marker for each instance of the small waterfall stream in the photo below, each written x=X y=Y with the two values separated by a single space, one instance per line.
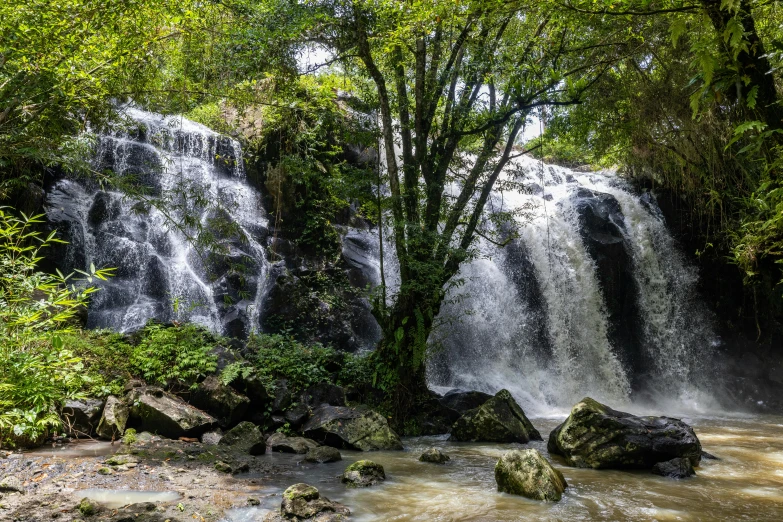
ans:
x=161 y=273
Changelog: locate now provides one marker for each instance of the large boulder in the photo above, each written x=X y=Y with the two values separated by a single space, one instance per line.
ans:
x=596 y=436
x=324 y=393
x=159 y=412
x=81 y=418
x=500 y=419
x=304 y=502
x=363 y=473
x=353 y=428
x=245 y=437
x=113 y=420
x=462 y=401
x=430 y=417
x=225 y=404
x=527 y=473
x=280 y=443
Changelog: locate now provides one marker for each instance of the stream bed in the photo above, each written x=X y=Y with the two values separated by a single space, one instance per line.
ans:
x=746 y=483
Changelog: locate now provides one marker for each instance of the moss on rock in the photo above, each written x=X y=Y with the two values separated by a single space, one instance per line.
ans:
x=528 y=473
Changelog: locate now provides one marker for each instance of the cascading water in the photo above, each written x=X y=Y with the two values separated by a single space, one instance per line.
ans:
x=553 y=318
x=161 y=273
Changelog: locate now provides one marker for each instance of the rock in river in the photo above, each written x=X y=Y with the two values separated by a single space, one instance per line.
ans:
x=499 y=419
x=352 y=428
x=596 y=436
x=527 y=473
x=304 y=502
x=280 y=443
x=675 y=468
x=363 y=473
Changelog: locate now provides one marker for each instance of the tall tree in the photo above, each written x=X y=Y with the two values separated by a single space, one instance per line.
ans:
x=454 y=84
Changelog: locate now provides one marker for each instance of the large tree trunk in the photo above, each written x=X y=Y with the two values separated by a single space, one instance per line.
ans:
x=401 y=354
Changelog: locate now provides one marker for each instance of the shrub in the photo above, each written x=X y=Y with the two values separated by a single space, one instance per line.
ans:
x=37 y=370
x=176 y=356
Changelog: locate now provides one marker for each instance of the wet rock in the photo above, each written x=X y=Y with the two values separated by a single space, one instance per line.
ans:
x=323 y=454
x=304 y=502
x=462 y=400
x=363 y=473
x=81 y=418
x=119 y=460
x=324 y=393
x=431 y=417
x=212 y=438
x=297 y=415
x=223 y=467
x=353 y=428
x=282 y=398
x=435 y=456
x=708 y=456
x=245 y=437
x=11 y=484
x=280 y=443
x=527 y=473
x=675 y=468
x=500 y=419
x=114 y=418
x=596 y=436
x=220 y=401
x=602 y=227
x=154 y=410
x=87 y=507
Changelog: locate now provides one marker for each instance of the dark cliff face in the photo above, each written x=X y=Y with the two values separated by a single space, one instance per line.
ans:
x=601 y=225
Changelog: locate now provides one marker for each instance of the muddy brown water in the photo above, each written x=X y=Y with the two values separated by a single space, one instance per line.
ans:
x=745 y=484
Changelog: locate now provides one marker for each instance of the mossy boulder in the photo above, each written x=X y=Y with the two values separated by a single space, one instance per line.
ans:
x=113 y=420
x=528 y=473
x=676 y=468
x=157 y=411
x=304 y=502
x=435 y=456
x=499 y=419
x=357 y=428
x=222 y=402
x=596 y=436
x=87 y=507
x=323 y=454
x=363 y=473
x=245 y=437
x=280 y=443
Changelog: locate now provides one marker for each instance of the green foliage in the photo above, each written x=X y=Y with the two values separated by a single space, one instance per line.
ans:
x=38 y=370
x=176 y=356
x=278 y=356
x=129 y=437
x=105 y=357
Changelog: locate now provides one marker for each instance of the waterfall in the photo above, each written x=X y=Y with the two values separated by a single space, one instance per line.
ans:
x=161 y=272
x=594 y=298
